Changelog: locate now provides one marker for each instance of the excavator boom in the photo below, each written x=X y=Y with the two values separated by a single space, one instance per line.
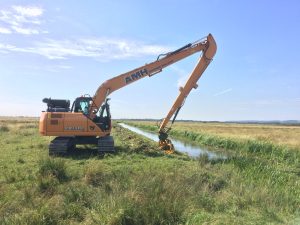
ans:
x=148 y=70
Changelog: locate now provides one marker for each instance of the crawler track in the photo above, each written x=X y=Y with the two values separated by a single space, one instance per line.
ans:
x=106 y=145
x=61 y=145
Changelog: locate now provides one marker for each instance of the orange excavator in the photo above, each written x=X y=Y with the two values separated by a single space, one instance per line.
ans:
x=88 y=120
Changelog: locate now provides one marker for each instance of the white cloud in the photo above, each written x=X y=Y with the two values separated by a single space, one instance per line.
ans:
x=21 y=19
x=7 y=47
x=4 y=30
x=102 y=49
x=26 y=31
x=223 y=92
x=30 y=11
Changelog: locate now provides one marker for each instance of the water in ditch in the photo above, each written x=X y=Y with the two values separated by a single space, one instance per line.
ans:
x=179 y=145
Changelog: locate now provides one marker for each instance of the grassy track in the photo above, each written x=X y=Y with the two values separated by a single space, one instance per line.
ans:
x=140 y=185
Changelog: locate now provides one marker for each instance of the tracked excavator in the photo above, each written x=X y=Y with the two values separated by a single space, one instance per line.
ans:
x=88 y=120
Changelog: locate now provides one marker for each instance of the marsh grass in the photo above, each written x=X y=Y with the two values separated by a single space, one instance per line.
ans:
x=97 y=174
x=4 y=128
x=53 y=167
x=203 y=159
x=140 y=185
x=261 y=163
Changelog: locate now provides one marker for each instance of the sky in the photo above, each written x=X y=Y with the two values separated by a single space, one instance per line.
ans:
x=65 y=49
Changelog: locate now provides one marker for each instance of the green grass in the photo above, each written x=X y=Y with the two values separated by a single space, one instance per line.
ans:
x=141 y=185
x=4 y=128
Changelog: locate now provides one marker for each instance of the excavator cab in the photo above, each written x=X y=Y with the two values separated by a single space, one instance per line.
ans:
x=102 y=118
x=81 y=104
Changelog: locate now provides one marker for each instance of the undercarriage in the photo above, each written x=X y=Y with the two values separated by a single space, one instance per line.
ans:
x=64 y=145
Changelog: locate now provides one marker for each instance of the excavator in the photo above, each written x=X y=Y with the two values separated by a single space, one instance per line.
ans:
x=88 y=120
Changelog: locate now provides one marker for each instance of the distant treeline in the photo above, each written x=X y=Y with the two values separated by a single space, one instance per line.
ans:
x=267 y=122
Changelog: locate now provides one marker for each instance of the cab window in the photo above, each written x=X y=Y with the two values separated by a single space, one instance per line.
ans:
x=84 y=107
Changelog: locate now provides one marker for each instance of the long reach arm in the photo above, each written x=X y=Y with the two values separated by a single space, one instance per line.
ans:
x=207 y=46
x=191 y=83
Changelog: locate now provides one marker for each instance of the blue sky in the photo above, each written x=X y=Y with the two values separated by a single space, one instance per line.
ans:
x=63 y=49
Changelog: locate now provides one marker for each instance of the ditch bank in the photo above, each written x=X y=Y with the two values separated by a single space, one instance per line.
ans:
x=180 y=145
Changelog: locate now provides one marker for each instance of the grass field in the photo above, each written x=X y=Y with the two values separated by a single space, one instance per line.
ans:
x=140 y=185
